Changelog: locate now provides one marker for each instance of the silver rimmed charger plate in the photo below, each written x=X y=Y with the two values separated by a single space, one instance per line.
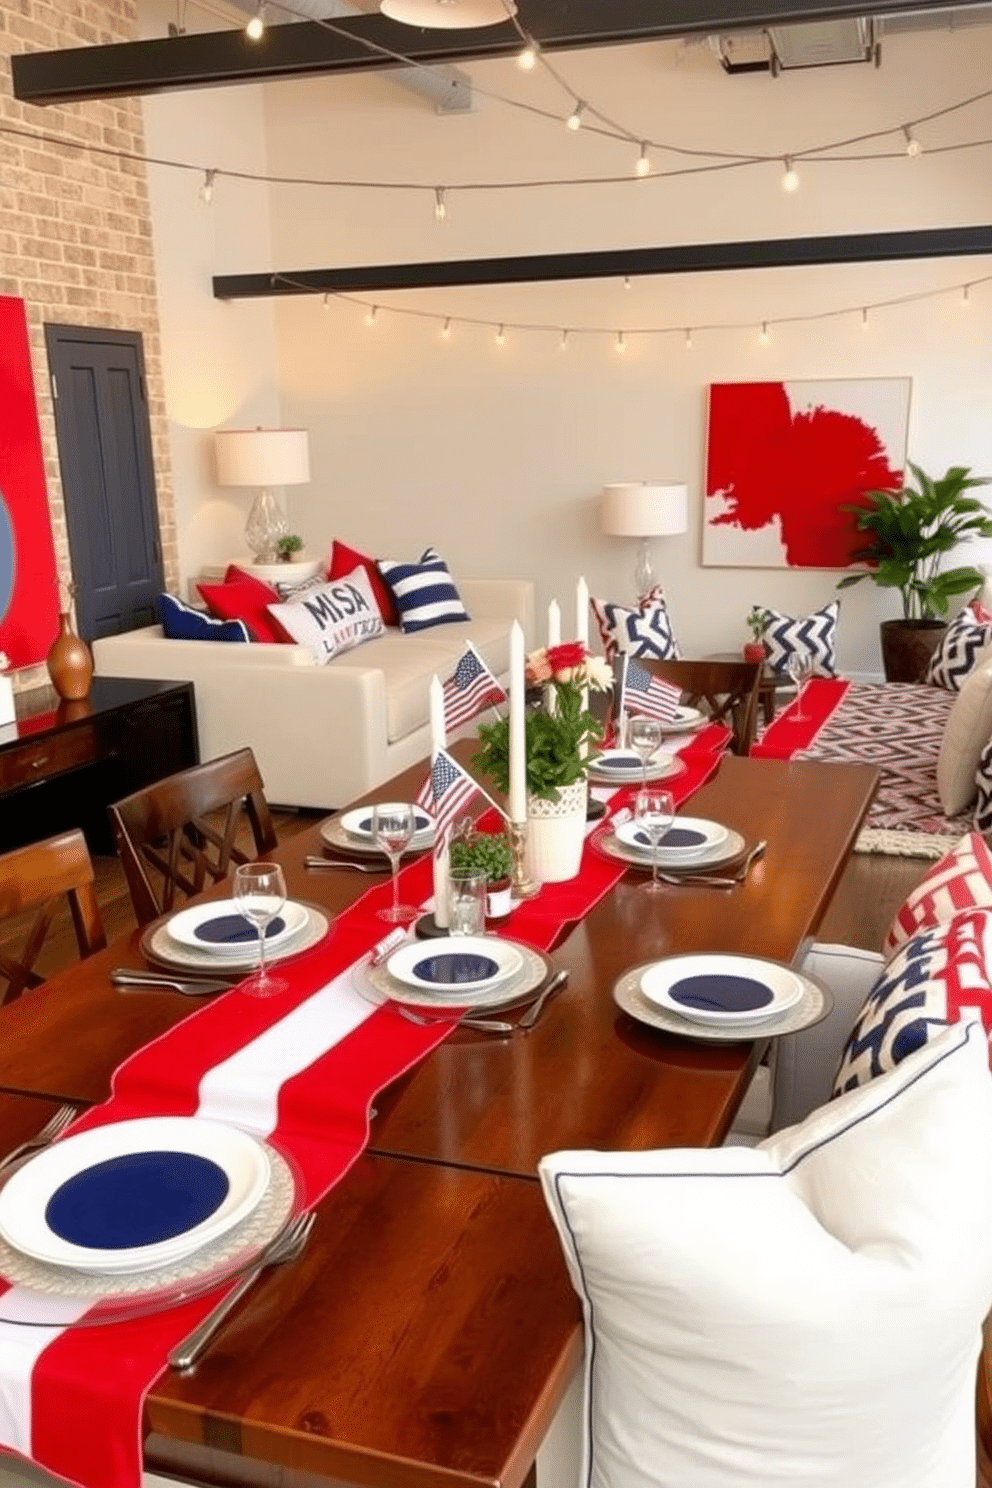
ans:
x=334 y=836
x=116 y=1297
x=377 y=983
x=158 y=946
x=604 y=840
x=814 y=1004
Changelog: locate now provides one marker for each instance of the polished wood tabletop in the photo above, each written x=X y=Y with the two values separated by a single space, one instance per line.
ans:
x=429 y=1332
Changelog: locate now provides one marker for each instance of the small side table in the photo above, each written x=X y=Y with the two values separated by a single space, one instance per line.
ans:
x=770 y=684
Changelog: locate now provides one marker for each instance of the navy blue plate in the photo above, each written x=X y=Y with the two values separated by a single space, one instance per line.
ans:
x=140 y=1198
x=675 y=837
x=420 y=823
x=233 y=929
x=626 y=762
x=721 y=993
x=456 y=967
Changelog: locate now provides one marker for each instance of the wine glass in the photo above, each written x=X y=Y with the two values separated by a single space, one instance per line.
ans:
x=800 y=669
x=644 y=736
x=654 y=812
x=392 y=830
x=260 y=893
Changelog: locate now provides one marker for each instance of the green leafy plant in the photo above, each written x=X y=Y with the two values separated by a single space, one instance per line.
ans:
x=757 y=622
x=288 y=545
x=910 y=530
x=482 y=852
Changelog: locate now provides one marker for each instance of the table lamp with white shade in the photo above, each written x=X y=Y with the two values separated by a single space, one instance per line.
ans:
x=263 y=458
x=644 y=510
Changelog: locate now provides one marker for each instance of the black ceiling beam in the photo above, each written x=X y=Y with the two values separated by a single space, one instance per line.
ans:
x=688 y=258
x=304 y=49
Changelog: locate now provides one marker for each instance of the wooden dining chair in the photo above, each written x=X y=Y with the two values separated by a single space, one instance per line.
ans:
x=178 y=836
x=39 y=877
x=726 y=690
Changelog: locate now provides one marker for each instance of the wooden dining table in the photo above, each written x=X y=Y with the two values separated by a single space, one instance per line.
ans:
x=429 y=1332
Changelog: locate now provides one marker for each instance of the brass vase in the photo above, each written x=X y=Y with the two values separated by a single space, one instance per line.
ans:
x=69 y=662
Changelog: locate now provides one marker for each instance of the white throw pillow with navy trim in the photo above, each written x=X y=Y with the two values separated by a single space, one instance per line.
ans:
x=181 y=622
x=806 y=1311
x=646 y=631
x=815 y=635
x=962 y=646
x=425 y=592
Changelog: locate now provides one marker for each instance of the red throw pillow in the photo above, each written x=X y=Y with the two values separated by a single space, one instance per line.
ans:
x=243 y=597
x=344 y=559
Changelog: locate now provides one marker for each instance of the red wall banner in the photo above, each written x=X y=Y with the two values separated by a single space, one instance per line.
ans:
x=29 y=599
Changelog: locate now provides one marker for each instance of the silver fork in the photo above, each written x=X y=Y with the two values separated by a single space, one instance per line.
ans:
x=709 y=880
x=312 y=862
x=485 y=1025
x=287 y=1246
x=188 y=986
x=53 y=1127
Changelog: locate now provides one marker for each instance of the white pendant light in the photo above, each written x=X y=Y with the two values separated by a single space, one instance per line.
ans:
x=448 y=15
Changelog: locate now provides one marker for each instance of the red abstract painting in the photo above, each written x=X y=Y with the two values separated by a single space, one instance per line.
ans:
x=783 y=458
x=28 y=591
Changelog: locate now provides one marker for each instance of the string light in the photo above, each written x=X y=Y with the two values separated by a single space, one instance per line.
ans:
x=255 y=28
x=440 y=209
x=621 y=343
x=965 y=293
x=527 y=59
x=643 y=163
x=913 y=146
x=626 y=281
x=864 y=318
x=370 y=319
x=790 y=180
x=446 y=329
x=327 y=303
x=688 y=339
x=764 y=333
x=563 y=343
x=574 y=120
x=500 y=336
x=207 y=189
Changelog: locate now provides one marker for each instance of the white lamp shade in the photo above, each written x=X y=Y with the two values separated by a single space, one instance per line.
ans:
x=448 y=15
x=262 y=457
x=639 y=509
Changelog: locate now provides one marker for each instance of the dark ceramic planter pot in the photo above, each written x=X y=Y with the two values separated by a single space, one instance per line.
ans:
x=907 y=646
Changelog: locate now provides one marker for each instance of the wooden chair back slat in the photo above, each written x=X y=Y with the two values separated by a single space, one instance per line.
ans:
x=39 y=877
x=167 y=835
x=726 y=690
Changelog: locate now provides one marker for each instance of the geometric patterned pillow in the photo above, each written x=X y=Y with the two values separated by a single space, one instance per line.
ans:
x=964 y=640
x=938 y=975
x=646 y=631
x=961 y=880
x=983 y=780
x=815 y=634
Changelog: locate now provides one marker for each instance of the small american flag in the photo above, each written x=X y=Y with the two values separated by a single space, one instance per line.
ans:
x=642 y=693
x=448 y=789
x=470 y=688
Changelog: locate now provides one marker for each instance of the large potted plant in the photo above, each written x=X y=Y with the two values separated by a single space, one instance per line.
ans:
x=909 y=531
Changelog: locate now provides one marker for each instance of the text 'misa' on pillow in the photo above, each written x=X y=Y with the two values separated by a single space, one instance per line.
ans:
x=424 y=592
x=966 y=733
x=966 y=639
x=805 y=1311
x=180 y=622
x=961 y=880
x=815 y=635
x=334 y=618
x=644 y=631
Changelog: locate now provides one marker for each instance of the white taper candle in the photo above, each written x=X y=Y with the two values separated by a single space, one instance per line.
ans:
x=518 y=739
x=439 y=740
x=554 y=623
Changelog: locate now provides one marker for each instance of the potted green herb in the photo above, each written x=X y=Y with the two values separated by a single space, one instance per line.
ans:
x=908 y=532
x=488 y=853
x=756 y=622
x=290 y=548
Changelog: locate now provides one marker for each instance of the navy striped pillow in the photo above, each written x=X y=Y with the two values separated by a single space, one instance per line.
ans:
x=425 y=593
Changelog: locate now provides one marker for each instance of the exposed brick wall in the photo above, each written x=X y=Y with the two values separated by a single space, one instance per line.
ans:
x=75 y=229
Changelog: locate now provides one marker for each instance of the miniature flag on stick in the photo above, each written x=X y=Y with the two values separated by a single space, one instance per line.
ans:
x=470 y=688
x=447 y=790
x=640 y=692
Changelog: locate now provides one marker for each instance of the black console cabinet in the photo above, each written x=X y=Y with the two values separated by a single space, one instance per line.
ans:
x=63 y=763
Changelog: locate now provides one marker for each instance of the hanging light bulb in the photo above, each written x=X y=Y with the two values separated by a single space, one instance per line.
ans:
x=643 y=163
x=527 y=59
x=913 y=146
x=255 y=28
x=790 y=180
x=500 y=336
x=370 y=319
x=563 y=343
x=688 y=339
x=764 y=333
x=621 y=343
x=446 y=329
x=864 y=318
x=574 y=120
x=327 y=302
x=440 y=210
x=207 y=189
x=626 y=281
x=965 y=294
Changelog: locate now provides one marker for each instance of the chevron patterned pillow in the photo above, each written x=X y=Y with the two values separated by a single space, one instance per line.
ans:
x=961 y=880
x=967 y=636
x=983 y=803
x=935 y=977
x=646 y=631
x=816 y=634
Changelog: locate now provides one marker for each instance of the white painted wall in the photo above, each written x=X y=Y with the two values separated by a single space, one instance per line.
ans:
x=497 y=455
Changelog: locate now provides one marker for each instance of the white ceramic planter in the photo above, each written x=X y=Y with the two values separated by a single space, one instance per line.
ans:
x=556 y=833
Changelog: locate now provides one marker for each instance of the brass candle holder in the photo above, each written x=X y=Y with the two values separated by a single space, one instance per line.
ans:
x=522 y=886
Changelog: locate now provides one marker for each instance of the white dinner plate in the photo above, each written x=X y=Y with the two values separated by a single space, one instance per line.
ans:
x=685 y=721
x=199 y=925
x=688 y=839
x=455 y=965
x=376 y=983
x=358 y=824
x=133 y=1195
x=721 y=989
x=623 y=766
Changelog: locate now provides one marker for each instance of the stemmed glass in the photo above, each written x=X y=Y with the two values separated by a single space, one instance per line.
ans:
x=260 y=893
x=644 y=735
x=654 y=812
x=392 y=830
x=800 y=669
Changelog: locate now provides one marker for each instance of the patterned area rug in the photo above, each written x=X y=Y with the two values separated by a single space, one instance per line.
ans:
x=897 y=726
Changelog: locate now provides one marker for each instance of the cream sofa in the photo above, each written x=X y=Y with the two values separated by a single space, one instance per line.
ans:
x=323 y=735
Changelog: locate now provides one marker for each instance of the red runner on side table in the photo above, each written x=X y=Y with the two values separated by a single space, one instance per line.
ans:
x=786 y=735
